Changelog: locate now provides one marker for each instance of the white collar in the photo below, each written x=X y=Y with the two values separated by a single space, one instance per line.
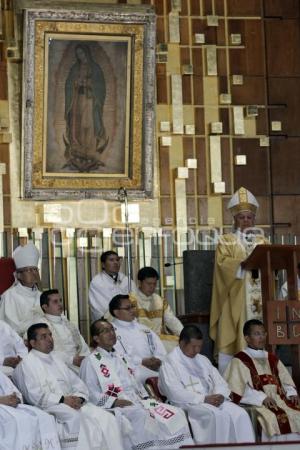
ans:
x=143 y=296
x=260 y=354
x=41 y=355
x=124 y=324
x=53 y=318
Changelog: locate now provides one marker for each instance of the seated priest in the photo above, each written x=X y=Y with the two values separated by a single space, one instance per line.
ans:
x=22 y=426
x=155 y=312
x=69 y=345
x=284 y=288
x=20 y=302
x=256 y=377
x=191 y=382
x=106 y=284
x=137 y=343
x=12 y=349
x=45 y=381
x=112 y=385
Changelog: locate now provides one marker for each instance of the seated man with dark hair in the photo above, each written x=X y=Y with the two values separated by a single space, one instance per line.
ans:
x=190 y=381
x=155 y=312
x=256 y=377
x=136 y=342
x=106 y=284
x=45 y=381
x=69 y=345
x=112 y=384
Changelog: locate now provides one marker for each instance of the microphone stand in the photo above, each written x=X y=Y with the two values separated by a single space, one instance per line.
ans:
x=122 y=196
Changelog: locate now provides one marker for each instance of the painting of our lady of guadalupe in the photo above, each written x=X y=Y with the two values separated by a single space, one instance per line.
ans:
x=88 y=107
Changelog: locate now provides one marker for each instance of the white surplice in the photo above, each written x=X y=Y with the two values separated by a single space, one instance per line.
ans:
x=186 y=382
x=240 y=381
x=43 y=379
x=151 y=424
x=68 y=341
x=136 y=342
x=102 y=289
x=10 y=345
x=18 y=306
x=25 y=427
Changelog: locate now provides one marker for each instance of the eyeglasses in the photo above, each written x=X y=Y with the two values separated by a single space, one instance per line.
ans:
x=128 y=308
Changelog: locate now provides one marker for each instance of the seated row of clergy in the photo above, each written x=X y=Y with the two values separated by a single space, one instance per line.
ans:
x=22 y=300
x=188 y=379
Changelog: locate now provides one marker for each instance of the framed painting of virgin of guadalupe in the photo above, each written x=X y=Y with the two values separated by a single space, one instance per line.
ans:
x=88 y=102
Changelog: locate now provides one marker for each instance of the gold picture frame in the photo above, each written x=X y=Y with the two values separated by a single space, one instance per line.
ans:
x=88 y=102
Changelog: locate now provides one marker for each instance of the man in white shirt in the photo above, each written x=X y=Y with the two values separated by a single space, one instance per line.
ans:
x=137 y=343
x=12 y=349
x=258 y=378
x=190 y=381
x=106 y=284
x=111 y=384
x=22 y=426
x=45 y=381
x=69 y=345
x=20 y=302
x=155 y=312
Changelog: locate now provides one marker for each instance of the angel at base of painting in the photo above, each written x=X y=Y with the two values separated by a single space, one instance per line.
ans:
x=85 y=92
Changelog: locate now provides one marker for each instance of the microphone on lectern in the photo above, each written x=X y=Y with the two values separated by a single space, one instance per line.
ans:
x=172 y=264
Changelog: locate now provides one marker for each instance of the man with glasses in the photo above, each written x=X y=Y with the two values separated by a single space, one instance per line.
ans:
x=256 y=377
x=113 y=386
x=136 y=342
x=106 y=284
x=20 y=302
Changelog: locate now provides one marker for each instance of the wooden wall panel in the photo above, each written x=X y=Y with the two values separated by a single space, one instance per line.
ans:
x=3 y=81
x=198 y=90
x=255 y=175
x=195 y=7
x=164 y=170
x=286 y=166
x=252 y=92
x=166 y=211
x=199 y=121
x=186 y=90
x=283 y=47
x=161 y=84
x=244 y=7
x=191 y=211
x=184 y=31
x=262 y=122
x=226 y=164
x=197 y=61
x=160 y=30
x=203 y=211
x=222 y=62
x=287 y=211
x=280 y=8
x=249 y=60
x=285 y=92
x=224 y=118
x=201 y=169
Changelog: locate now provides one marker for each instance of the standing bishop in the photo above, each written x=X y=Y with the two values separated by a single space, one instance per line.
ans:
x=236 y=293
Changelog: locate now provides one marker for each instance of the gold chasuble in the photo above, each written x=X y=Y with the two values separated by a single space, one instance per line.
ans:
x=236 y=296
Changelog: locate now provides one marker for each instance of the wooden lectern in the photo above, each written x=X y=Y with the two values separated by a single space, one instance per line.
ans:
x=281 y=317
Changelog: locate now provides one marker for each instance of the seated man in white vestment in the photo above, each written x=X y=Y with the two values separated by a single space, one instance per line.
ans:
x=45 y=381
x=20 y=302
x=137 y=343
x=22 y=426
x=257 y=377
x=69 y=345
x=106 y=284
x=112 y=384
x=12 y=349
x=190 y=381
x=155 y=312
